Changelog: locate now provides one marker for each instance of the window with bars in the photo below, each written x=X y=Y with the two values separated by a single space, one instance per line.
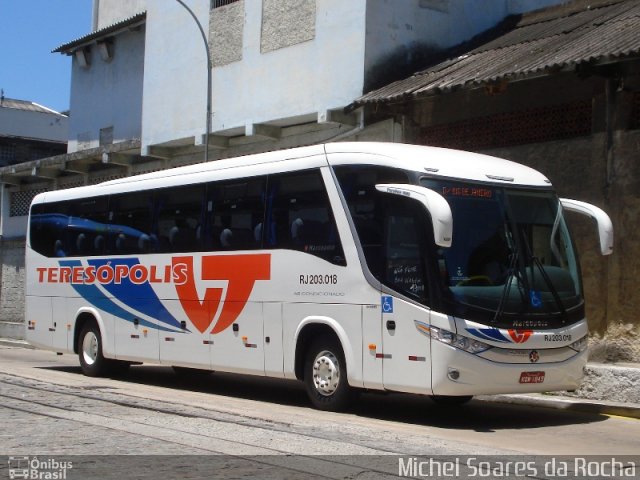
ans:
x=221 y=3
x=20 y=202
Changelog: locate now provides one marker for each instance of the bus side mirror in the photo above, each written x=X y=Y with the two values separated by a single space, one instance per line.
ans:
x=605 y=227
x=435 y=204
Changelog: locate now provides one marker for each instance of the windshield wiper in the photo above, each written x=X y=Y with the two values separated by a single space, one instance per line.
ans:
x=507 y=286
x=545 y=276
x=552 y=288
x=517 y=268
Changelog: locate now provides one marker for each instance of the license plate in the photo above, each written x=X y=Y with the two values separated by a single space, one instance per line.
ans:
x=532 y=377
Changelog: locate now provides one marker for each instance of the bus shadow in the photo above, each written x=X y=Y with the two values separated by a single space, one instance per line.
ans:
x=477 y=415
x=249 y=387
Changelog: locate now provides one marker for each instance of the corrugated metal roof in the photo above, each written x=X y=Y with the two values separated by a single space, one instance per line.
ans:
x=25 y=105
x=557 y=38
x=110 y=30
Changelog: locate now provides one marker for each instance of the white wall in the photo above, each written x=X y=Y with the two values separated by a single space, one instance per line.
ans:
x=24 y=123
x=108 y=12
x=301 y=79
x=326 y=72
x=175 y=73
x=108 y=93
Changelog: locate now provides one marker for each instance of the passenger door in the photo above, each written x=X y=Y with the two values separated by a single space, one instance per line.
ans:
x=404 y=314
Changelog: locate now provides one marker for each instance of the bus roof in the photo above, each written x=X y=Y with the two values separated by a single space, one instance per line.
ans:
x=439 y=162
x=433 y=161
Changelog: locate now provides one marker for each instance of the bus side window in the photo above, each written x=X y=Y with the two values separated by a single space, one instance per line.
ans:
x=48 y=235
x=130 y=223
x=235 y=214
x=88 y=220
x=299 y=216
x=357 y=183
x=180 y=219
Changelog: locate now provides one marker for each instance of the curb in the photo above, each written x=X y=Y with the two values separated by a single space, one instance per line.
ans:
x=582 y=405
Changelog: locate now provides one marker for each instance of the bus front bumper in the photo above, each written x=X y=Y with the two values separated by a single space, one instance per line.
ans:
x=455 y=372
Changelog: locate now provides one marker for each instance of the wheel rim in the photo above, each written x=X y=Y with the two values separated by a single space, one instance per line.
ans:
x=90 y=348
x=326 y=373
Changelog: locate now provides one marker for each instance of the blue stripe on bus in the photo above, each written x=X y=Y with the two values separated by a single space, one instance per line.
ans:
x=489 y=334
x=95 y=297
x=139 y=297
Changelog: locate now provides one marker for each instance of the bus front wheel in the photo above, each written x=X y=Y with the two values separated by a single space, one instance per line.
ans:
x=92 y=361
x=325 y=375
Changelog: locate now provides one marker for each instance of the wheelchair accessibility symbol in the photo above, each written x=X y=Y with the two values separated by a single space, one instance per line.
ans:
x=536 y=299
x=387 y=304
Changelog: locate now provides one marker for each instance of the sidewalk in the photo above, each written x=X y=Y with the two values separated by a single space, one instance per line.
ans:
x=561 y=402
x=609 y=389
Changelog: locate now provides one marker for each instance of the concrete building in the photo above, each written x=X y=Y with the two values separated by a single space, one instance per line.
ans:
x=28 y=133
x=282 y=73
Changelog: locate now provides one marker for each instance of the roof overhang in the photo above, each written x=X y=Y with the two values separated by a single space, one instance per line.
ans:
x=103 y=34
x=117 y=156
x=552 y=41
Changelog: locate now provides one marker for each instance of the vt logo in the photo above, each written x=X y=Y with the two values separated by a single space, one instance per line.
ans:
x=241 y=271
x=520 y=336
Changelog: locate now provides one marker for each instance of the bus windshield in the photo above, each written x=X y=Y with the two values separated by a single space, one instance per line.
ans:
x=512 y=261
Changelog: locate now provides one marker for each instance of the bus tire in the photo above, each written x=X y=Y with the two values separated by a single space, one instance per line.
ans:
x=325 y=375
x=92 y=361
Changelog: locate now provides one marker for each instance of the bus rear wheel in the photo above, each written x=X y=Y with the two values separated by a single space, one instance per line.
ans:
x=92 y=361
x=325 y=375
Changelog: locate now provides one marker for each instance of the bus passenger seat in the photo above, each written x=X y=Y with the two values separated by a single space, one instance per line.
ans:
x=58 y=250
x=226 y=238
x=297 y=227
x=81 y=243
x=98 y=243
x=257 y=233
x=144 y=243
x=121 y=242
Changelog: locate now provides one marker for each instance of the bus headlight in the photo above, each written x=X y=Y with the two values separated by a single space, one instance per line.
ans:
x=458 y=341
x=580 y=345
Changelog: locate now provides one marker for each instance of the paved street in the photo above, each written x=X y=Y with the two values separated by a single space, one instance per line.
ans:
x=54 y=410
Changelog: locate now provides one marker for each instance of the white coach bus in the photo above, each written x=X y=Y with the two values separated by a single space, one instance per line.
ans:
x=347 y=266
